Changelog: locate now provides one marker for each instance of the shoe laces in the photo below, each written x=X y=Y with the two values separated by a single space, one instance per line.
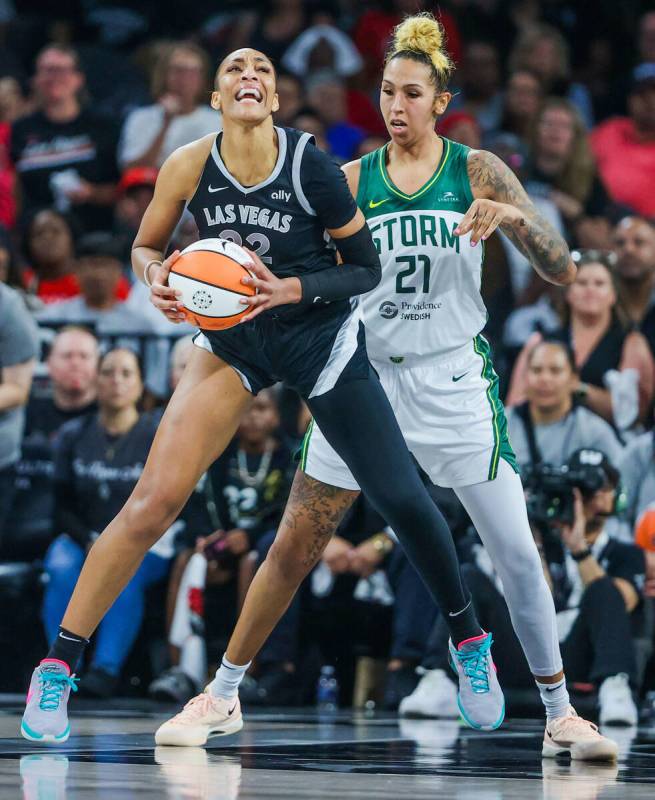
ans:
x=53 y=685
x=199 y=706
x=475 y=664
x=572 y=724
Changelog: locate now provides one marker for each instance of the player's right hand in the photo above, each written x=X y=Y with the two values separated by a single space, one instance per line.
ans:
x=161 y=295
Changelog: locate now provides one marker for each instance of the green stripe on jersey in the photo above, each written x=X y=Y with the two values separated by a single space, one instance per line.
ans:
x=305 y=445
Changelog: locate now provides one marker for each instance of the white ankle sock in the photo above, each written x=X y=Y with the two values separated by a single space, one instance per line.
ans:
x=227 y=680
x=555 y=698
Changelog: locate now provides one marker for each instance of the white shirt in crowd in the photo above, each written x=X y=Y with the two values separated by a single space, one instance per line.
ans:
x=143 y=124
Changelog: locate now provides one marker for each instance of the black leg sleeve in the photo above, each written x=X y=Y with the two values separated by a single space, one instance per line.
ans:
x=357 y=419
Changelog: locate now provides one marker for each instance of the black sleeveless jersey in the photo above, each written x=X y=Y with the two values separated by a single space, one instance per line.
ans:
x=283 y=219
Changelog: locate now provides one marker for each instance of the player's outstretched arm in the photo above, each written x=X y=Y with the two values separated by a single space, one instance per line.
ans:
x=501 y=201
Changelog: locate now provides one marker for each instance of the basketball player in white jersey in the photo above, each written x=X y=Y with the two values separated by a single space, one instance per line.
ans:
x=430 y=204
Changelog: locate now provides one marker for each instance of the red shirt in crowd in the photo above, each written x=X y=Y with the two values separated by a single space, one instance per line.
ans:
x=7 y=179
x=626 y=164
x=65 y=287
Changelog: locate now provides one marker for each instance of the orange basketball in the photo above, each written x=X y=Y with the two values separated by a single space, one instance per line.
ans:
x=209 y=273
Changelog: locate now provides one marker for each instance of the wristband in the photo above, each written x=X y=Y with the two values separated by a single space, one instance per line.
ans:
x=581 y=555
x=147 y=282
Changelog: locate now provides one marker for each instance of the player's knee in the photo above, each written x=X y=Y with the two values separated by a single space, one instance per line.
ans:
x=149 y=512
x=290 y=564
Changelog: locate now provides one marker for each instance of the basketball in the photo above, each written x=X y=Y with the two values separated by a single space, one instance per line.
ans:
x=209 y=273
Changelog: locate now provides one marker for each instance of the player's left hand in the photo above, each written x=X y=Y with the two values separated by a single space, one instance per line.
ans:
x=484 y=216
x=271 y=290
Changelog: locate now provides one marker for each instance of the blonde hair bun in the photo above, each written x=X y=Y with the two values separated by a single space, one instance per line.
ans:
x=422 y=33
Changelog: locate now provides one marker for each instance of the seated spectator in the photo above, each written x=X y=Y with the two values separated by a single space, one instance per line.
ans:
x=98 y=460
x=521 y=102
x=181 y=113
x=460 y=126
x=322 y=46
x=272 y=31
x=625 y=146
x=614 y=361
x=597 y=583
x=73 y=370
x=49 y=246
x=551 y=425
x=327 y=96
x=479 y=79
x=64 y=154
x=562 y=166
x=236 y=504
x=11 y=273
x=135 y=191
x=100 y=273
x=308 y=121
x=634 y=244
x=544 y=51
x=291 y=97
x=18 y=351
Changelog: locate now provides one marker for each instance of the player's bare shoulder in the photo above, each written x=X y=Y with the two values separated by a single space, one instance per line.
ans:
x=352 y=172
x=180 y=173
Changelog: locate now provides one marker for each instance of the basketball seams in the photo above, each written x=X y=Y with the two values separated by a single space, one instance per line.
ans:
x=207 y=283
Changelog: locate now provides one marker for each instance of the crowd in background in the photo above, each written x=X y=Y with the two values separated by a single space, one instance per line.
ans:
x=94 y=96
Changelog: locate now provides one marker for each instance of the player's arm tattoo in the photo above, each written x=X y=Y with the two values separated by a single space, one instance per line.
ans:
x=533 y=236
x=314 y=511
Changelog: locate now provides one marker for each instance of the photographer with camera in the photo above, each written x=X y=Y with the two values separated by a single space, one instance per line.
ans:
x=551 y=425
x=597 y=583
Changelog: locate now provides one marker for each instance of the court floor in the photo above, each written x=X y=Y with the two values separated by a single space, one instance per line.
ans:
x=302 y=754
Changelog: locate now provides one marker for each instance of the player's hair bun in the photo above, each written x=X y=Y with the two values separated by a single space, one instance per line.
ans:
x=422 y=33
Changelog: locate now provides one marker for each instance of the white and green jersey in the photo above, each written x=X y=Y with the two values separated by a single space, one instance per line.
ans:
x=428 y=301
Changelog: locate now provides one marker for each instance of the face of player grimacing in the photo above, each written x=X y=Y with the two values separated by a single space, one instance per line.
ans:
x=409 y=101
x=246 y=87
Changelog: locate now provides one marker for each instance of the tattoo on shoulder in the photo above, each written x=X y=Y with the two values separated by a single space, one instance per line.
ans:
x=534 y=237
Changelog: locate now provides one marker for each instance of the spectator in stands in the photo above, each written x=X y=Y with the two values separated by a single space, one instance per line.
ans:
x=291 y=97
x=308 y=121
x=322 y=46
x=543 y=50
x=614 y=362
x=327 y=96
x=18 y=351
x=460 y=126
x=49 y=247
x=237 y=505
x=551 y=425
x=634 y=244
x=7 y=179
x=562 y=166
x=646 y=38
x=100 y=274
x=98 y=460
x=13 y=103
x=272 y=31
x=181 y=88
x=180 y=355
x=73 y=370
x=625 y=146
x=637 y=468
x=10 y=272
x=63 y=153
x=521 y=101
x=135 y=190
x=479 y=78
x=597 y=583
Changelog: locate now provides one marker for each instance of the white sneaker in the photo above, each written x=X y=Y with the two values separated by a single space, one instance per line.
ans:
x=203 y=716
x=435 y=697
x=617 y=706
x=578 y=738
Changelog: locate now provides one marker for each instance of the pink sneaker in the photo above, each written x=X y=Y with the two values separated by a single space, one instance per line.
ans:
x=203 y=716
x=573 y=735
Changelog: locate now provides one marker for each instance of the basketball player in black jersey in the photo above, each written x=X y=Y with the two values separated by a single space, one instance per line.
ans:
x=273 y=191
